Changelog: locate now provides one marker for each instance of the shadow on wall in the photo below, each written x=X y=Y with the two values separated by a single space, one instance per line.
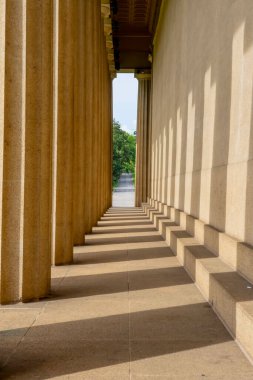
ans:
x=249 y=187
x=202 y=112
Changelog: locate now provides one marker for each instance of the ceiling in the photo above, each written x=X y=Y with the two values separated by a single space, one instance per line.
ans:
x=133 y=25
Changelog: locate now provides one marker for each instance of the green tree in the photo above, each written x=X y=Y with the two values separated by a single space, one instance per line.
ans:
x=124 y=151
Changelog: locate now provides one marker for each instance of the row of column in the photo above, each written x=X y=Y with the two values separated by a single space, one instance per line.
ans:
x=55 y=137
x=143 y=139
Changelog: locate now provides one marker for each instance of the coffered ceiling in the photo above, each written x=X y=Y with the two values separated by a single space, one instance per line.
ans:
x=133 y=25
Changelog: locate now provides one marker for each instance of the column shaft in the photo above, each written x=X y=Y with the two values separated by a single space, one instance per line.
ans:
x=103 y=121
x=142 y=141
x=96 y=110
x=64 y=54
x=91 y=8
x=12 y=137
x=37 y=160
x=97 y=121
x=79 y=127
x=26 y=124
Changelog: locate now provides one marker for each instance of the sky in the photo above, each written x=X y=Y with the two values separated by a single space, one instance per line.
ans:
x=125 y=89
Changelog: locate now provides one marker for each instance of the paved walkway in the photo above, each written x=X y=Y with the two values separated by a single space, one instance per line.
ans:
x=126 y=309
x=124 y=194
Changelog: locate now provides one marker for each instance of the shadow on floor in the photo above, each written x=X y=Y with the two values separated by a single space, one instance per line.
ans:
x=118 y=256
x=75 y=346
x=119 y=240
x=111 y=283
x=119 y=230
x=102 y=322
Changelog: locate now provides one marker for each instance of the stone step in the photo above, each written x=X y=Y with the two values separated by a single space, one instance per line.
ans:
x=235 y=253
x=217 y=269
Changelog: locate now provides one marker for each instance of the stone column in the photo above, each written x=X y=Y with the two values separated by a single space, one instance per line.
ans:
x=25 y=125
x=103 y=124
x=110 y=158
x=92 y=19
x=142 y=138
x=65 y=21
x=108 y=73
x=96 y=111
x=79 y=125
x=97 y=120
x=104 y=121
x=100 y=114
x=109 y=147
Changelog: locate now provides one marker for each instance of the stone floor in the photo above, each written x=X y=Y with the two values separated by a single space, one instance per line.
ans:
x=125 y=309
x=124 y=194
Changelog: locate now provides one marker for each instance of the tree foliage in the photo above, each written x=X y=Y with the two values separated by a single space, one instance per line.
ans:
x=124 y=150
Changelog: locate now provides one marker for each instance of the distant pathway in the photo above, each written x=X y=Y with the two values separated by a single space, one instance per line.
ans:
x=124 y=193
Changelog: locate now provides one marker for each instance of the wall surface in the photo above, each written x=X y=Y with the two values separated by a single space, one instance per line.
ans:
x=202 y=116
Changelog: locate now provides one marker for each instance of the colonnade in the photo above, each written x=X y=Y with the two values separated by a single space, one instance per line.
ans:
x=55 y=137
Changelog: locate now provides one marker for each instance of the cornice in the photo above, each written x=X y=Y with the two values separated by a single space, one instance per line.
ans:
x=107 y=20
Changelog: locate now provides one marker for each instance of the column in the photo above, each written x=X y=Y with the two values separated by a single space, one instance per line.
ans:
x=64 y=58
x=110 y=142
x=79 y=126
x=104 y=137
x=90 y=110
x=108 y=73
x=96 y=111
x=98 y=123
x=109 y=147
x=142 y=138
x=25 y=125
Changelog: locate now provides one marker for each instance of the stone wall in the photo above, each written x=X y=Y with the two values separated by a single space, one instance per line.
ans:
x=202 y=115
